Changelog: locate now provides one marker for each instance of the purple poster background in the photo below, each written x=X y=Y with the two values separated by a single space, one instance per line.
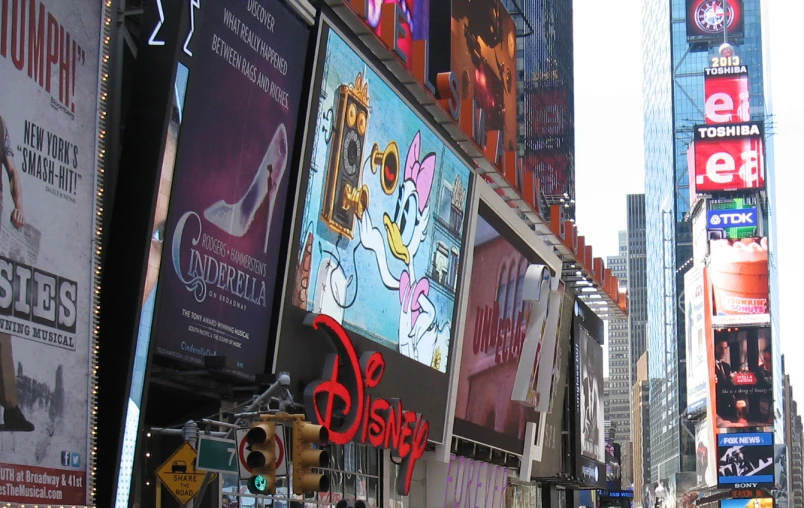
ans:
x=225 y=217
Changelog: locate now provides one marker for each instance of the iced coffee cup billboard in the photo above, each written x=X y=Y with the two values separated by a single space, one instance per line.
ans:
x=738 y=271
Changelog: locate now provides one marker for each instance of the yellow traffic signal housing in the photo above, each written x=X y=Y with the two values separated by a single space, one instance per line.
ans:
x=261 y=459
x=305 y=458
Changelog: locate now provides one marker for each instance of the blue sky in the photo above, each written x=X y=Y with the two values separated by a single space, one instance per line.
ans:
x=608 y=99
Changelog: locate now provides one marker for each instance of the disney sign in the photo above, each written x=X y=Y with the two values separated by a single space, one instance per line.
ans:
x=339 y=403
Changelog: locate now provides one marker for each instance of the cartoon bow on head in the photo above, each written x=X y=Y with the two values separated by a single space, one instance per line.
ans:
x=421 y=173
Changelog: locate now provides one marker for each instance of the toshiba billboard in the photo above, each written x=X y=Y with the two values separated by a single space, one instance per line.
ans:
x=726 y=94
x=729 y=157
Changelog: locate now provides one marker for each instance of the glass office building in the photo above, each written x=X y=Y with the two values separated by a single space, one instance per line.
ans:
x=673 y=89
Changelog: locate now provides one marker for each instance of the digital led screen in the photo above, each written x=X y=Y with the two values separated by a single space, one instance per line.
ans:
x=496 y=322
x=765 y=502
x=552 y=170
x=589 y=337
x=743 y=377
x=613 y=467
x=705 y=451
x=729 y=157
x=416 y=25
x=745 y=458
x=727 y=95
x=707 y=19
x=383 y=218
x=699 y=332
x=484 y=60
x=738 y=271
x=223 y=232
x=379 y=231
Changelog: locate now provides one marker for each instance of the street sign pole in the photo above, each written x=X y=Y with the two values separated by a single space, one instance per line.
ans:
x=190 y=431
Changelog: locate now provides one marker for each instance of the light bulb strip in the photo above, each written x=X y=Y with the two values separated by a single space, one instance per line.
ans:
x=102 y=143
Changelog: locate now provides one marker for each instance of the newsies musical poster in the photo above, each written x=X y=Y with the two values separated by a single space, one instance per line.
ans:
x=51 y=107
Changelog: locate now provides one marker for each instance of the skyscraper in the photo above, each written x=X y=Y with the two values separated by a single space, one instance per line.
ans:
x=673 y=91
x=795 y=466
x=617 y=403
x=641 y=424
x=637 y=279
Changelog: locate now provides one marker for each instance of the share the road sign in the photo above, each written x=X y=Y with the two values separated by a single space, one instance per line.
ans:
x=180 y=476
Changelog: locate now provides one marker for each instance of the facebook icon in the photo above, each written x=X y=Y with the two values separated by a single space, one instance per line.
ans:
x=65 y=459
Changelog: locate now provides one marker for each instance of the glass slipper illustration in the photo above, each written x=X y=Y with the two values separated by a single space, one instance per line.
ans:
x=236 y=219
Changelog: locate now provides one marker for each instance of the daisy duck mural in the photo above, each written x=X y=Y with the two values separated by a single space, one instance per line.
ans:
x=380 y=245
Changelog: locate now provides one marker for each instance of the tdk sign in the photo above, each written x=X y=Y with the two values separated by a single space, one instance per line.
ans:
x=721 y=219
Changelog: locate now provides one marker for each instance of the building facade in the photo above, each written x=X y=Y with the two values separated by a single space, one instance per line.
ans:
x=793 y=443
x=673 y=90
x=637 y=279
x=617 y=389
x=640 y=420
x=231 y=290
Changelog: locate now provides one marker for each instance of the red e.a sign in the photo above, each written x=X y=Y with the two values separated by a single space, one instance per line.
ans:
x=726 y=95
x=729 y=157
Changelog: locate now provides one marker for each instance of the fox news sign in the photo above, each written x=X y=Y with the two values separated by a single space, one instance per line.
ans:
x=721 y=219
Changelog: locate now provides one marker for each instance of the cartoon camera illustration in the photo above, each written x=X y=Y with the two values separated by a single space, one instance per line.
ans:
x=345 y=194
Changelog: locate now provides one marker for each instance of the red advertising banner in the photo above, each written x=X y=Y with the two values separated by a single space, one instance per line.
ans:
x=726 y=95
x=729 y=157
x=37 y=485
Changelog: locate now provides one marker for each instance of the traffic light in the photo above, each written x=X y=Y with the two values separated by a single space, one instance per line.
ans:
x=305 y=434
x=261 y=459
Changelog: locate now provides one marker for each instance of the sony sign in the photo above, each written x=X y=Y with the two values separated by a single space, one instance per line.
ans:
x=721 y=219
x=746 y=485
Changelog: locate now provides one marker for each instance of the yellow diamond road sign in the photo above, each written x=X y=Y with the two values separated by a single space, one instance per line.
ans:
x=179 y=475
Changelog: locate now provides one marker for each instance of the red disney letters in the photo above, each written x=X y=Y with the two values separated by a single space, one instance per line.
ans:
x=340 y=403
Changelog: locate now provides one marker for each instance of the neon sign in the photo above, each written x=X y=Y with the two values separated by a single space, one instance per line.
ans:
x=339 y=403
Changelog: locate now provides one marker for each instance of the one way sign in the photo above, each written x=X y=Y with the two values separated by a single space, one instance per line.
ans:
x=243 y=449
